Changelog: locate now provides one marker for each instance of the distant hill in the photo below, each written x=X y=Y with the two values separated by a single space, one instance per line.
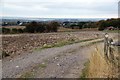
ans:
x=23 y=19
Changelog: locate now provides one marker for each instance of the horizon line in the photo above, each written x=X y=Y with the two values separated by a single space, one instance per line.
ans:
x=56 y=17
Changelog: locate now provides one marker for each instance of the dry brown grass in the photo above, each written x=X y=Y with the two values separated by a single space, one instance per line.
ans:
x=17 y=27
x=99 y=67
x=62 y=29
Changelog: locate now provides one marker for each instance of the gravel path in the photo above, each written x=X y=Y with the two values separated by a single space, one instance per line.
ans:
x=66 y=61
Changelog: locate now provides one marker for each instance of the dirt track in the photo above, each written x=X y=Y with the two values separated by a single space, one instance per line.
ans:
x=66 y=61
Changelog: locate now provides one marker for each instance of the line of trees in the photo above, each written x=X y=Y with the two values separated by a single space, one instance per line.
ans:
x=104 y=24
x=12 y=31
x=35 y=27
x=39 y=27
x=101 y=25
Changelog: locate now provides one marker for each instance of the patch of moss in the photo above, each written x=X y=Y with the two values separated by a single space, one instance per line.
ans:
x=27 y=75
x=42 y=65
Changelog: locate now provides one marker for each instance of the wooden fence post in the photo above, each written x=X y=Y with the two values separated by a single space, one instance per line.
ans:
x=106 y=45
x=108 y=50
x=111 y=49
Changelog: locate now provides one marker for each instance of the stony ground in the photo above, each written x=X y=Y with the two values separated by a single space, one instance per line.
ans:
x=21 y=43
x=66 y=61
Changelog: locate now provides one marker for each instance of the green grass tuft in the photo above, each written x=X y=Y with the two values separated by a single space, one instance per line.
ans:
x=42 y=65
x=27 y=75
x=85 y=70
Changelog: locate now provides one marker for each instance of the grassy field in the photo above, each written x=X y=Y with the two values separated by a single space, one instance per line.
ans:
x=17 y=27
x=112 y=31
x=62 y=29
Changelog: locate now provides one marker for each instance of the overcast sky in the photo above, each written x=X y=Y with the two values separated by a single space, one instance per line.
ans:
x=60 y=8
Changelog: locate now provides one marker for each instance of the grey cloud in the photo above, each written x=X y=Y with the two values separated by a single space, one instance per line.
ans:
x=61 y=8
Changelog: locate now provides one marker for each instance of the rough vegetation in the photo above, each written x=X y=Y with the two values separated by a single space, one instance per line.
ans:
x=34 y=27
x=103 y=24
x=40 y=27
x=99 y=66
x=100 y=25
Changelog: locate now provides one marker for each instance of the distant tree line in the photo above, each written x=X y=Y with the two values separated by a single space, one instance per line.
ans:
x=101 y=25
x=12 y=31
x=34 y=27
x=40 y=27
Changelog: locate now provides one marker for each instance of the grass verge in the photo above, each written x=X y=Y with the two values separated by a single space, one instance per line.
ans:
x=65 y=42
x=112 y=31
x=98 y=66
